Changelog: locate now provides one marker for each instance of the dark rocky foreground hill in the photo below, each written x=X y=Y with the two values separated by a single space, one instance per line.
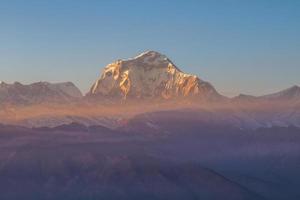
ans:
x=195 y=162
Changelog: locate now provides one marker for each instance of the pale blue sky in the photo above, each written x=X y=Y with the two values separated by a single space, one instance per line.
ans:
x=240 y=46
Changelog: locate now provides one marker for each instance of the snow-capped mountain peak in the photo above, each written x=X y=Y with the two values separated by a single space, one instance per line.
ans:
x=149 y=75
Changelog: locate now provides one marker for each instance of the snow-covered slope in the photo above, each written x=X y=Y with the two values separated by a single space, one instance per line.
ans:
x=149 y=75
x=40 y=92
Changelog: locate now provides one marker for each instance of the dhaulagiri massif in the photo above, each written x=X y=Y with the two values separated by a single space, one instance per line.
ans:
x=149 y=82
x=150 y=75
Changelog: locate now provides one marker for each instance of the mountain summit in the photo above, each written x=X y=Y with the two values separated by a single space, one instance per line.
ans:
x=147 y=76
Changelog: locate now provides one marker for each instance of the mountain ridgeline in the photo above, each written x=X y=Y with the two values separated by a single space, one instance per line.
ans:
x=147 y=76
x=149 y=82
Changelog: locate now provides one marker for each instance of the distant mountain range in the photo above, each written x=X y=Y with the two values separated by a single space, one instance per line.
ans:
x=149 y=82
x=149 y=75
x=36 y=93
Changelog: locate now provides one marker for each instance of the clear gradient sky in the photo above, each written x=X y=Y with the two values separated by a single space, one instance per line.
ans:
x=240 y=46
